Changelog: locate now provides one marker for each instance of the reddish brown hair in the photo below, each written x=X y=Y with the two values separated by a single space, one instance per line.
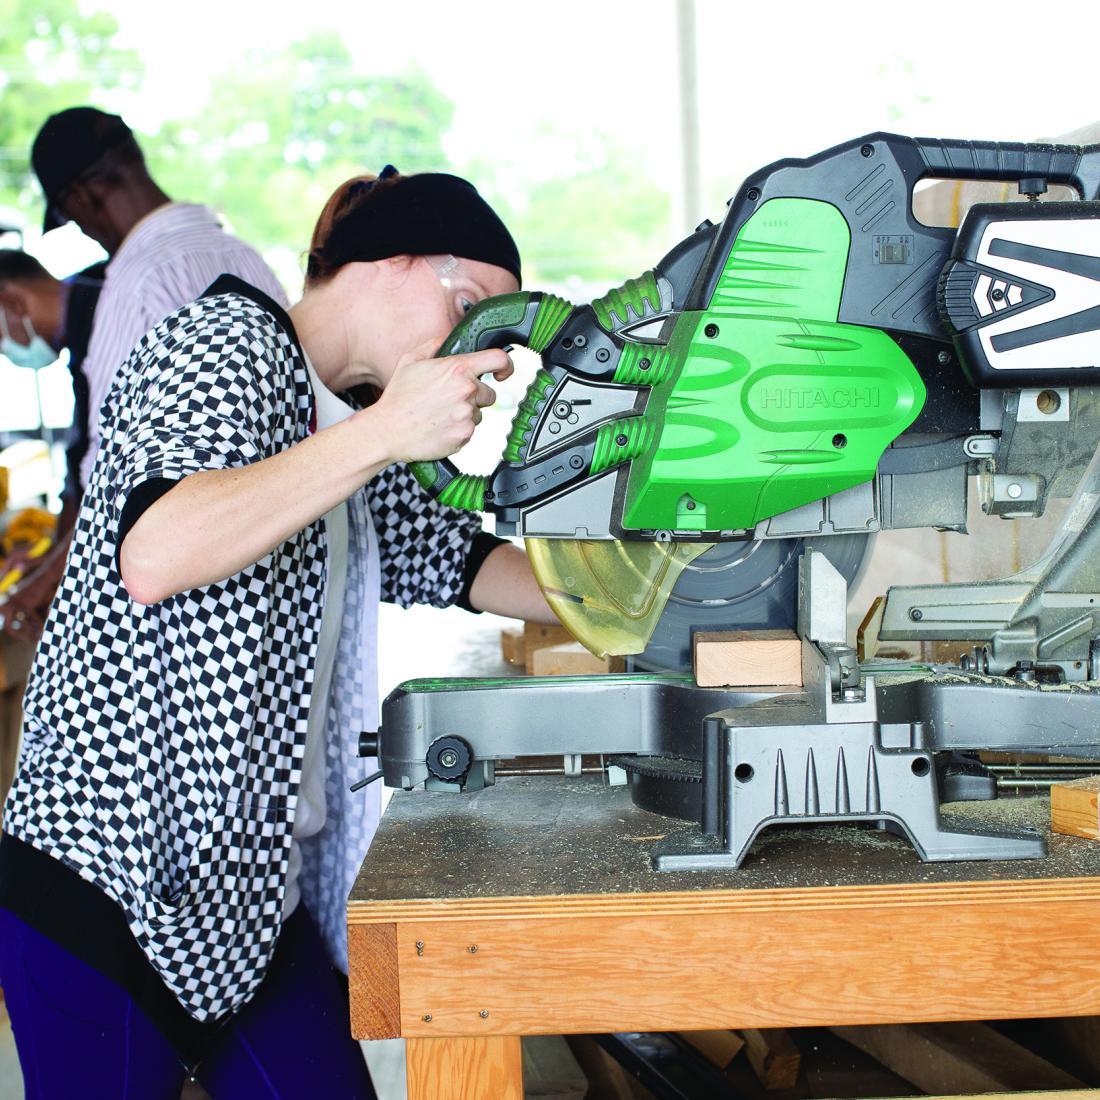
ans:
x=347 y=197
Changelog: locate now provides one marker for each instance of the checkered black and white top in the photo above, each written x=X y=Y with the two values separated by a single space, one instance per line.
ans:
x=162 y=744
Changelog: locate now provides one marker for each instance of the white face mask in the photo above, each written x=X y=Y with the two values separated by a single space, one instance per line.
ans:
x=33 y=355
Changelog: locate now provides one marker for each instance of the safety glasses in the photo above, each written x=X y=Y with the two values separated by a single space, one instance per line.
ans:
x=463 y=291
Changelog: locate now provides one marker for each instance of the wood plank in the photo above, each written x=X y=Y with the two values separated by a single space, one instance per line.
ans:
x=773 y=1056
x=740 y=960
x=747 y=658
x=484 y=1068
x=511 y=647
x=539 y=635
x=1030 y=893
x=1075 y=807
x=718 y=1047
x=957 y=1058
x=571 y=659
x=375 y=990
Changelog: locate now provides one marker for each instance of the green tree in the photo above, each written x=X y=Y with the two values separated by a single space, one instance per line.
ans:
x=52 y=56
x=593 y=213
x=280 y=132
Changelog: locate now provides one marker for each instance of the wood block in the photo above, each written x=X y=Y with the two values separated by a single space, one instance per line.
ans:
x=773 y=1056
x=571 y=659
x=537 y=635
x=376 y=997
x=512 y=648
x=748 y=658
x=1074 y=808
x=485 y=1068
x=957 y=1058
x=719 y=1047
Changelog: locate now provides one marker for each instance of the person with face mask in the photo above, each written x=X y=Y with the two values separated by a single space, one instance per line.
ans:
x=40 y=316
x=162 y=254
x=181 y=835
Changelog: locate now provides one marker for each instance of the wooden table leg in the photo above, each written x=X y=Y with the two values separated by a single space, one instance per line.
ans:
x=489 y=1068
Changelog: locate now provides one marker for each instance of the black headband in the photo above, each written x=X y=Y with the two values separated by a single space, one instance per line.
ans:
x=430 y=214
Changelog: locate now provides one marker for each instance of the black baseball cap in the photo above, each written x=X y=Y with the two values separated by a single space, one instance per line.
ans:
x=66 y=146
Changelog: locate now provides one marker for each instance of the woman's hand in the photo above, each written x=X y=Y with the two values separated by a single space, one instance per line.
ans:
x=430 y=407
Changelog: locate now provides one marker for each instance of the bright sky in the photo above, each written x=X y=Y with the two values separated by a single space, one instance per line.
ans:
x=779 y=79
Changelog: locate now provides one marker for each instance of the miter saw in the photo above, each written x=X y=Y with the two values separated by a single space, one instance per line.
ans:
x=711 y=444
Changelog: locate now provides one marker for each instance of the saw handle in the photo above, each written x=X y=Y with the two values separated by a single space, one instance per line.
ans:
x=1011 y=161
x=529 y=319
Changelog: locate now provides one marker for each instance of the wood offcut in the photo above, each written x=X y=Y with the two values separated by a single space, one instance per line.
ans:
x=1075 y=807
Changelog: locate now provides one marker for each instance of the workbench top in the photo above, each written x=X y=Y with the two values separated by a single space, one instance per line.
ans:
x=551 y=836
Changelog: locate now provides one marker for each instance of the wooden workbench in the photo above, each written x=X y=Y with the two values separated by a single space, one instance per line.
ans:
x=531 y=908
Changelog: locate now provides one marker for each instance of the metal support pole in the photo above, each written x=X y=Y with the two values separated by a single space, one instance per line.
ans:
x=688 y=204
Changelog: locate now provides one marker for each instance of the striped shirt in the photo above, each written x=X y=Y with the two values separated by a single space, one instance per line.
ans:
x=167 y=260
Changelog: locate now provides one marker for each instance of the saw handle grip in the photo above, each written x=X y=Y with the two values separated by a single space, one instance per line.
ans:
x=1011 y=161
x=529 y=319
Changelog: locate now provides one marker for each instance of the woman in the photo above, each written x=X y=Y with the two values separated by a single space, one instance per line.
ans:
x=209 y=661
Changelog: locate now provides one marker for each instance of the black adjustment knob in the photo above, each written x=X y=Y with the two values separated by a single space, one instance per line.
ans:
x=368 y=743
x=449 y=758
x=1033 y=185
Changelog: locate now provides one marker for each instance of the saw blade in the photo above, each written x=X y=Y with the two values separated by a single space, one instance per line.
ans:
x=751 y=585
x=609 y=594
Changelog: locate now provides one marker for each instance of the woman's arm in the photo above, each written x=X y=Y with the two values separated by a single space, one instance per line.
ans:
x=216 y=522
x=506 y=585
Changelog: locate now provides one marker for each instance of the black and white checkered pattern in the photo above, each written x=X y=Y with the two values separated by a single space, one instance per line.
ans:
x=162 y=745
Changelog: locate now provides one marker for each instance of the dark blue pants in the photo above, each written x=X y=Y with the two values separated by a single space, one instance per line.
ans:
x=80 y=1034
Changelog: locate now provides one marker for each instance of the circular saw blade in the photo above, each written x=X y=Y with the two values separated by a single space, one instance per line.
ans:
x=751 y=585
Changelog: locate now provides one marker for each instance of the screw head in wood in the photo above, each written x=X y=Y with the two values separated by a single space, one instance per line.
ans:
x=484 y=1014
x=427 y=1017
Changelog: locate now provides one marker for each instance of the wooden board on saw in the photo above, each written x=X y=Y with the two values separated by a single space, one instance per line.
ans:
x=571 y=659
x=518 y=646
x=543 y=649
x=747 y=659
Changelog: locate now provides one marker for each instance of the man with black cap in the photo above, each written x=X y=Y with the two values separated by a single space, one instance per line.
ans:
x=163 y=254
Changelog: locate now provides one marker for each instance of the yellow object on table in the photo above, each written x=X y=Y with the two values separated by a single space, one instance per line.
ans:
x=29 y=526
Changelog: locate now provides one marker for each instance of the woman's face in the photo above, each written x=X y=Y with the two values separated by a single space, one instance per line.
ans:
x=428 y=298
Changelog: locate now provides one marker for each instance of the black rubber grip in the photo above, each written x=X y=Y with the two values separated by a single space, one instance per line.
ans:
x=1010 y=161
